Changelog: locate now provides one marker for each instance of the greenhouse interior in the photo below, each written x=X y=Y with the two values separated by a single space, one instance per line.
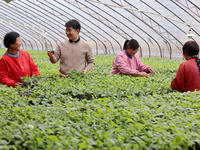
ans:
x=161 y=27
x=61 y=89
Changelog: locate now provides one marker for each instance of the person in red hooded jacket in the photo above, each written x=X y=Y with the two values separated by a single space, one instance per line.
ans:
x=15 y=63
x=188 y=74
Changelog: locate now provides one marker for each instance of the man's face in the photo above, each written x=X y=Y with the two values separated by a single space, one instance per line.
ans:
x=72 y=33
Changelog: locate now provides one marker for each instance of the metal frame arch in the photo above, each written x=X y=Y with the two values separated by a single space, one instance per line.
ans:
x=20 y=13
x=39 y=18
x=34 y=33
x=137 y=27
x=171 y=12
x=82 y=32
x=98 y=26
x=106 y=13
x=189 y=15
x=14 y=14
x=43 y=37
x=125 y=26
x=87 y=25
x=189 y=8
x=160 y=26
x=144 y=31
x=167 y=20
x=40 y=35
x=83 y=28
x=60 y=23
x=22 y=37
x=100 y=21
x=198 y=13
x=21 y=30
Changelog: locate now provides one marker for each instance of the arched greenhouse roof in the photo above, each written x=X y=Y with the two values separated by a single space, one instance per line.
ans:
x=160 y=26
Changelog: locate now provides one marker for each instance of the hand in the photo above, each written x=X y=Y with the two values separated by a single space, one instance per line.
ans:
x=151 y=70
x=18 y=84
x=50 y=53
x=143 y=74
x=85 y=71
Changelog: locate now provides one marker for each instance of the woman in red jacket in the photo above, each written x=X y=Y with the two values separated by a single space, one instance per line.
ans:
x=15 y=63
x=188 y=75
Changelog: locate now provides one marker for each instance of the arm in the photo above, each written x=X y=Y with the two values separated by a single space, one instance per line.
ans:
x=89 y=60
x=150 y=70
x=143 y=67
x=178 y=83
x=4 y=75
x=122 y=66
x=54 y=56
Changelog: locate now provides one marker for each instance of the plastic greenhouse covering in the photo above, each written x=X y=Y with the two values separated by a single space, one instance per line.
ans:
x=160 y=26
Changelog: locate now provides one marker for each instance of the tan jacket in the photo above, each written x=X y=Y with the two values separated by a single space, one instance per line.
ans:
x=72 y=56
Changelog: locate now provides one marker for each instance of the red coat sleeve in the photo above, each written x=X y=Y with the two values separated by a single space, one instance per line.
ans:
x=4 y=75
x=178 y=83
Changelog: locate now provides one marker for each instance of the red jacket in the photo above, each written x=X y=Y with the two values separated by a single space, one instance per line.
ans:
x=187 y=77
x=11 y=69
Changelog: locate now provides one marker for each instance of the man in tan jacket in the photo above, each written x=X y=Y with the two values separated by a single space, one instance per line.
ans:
x=74 y=52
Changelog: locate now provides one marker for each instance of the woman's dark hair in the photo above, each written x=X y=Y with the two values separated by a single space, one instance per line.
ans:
x=133 y=44
x=10 y=39
x=191 y=48
x=74 y=24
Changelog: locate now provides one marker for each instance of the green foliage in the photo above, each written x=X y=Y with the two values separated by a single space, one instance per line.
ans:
x=96 y=111
x=75 y=74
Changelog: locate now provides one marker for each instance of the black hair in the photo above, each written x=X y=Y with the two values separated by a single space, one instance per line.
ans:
x=191 y=48
x=132 y=43
x=125 y=44
x=74 y=24
x=10 y=38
